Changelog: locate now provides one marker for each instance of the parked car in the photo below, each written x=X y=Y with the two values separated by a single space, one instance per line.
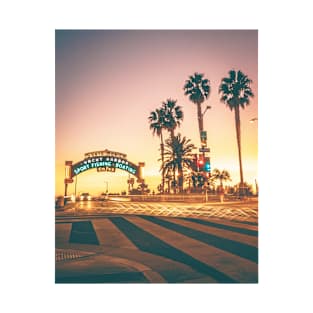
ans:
x=85 y=196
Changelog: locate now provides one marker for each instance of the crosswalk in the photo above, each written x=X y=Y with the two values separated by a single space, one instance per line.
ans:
x=164 y=249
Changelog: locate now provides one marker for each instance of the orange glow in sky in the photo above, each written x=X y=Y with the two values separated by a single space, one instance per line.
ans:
x=108 y=82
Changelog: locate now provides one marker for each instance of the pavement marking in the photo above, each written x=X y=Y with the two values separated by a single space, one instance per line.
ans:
x=227 y=234
x=240 y=249
x=148 y=242
x=220 y=225
x=240 y=224
x=62 y=233
x=238 y=268
x=83 y=232
x=172 y=271
x=109 y=235
x=157 y=244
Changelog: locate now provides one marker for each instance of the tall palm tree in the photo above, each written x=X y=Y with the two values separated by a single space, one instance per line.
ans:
x=173 y=115
x=156 y=120
x=198 y=90
x=236 y=93
x=178 y=156
x=220 y=175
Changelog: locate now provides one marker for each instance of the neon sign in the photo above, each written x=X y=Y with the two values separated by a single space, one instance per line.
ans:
x=105 y=152
x=106 y=169
x=104 y=162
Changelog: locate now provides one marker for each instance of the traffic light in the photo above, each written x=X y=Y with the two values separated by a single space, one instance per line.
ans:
x=200 y=163
x=204 y=164
x=207 y=165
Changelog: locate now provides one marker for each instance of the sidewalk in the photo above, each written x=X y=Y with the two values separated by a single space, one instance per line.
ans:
x=93 y=267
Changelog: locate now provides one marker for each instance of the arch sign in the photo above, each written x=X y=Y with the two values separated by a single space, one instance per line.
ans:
x=103 y=161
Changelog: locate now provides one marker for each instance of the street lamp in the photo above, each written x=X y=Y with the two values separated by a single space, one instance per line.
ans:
x=208 y=107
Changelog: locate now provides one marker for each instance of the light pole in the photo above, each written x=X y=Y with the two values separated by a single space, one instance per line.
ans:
x=256 y=184
x=256 y=188
x=75 y=186
x=203 y=147
x=107 y=184
x=203 y=135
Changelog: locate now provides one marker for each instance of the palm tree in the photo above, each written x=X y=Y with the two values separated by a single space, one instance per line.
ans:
x=178 y=156
x=236 y=93
x=156 y=119
x=173 y=115
x=198 y=90
x=220 y=175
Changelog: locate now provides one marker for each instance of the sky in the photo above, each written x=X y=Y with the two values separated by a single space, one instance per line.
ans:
x=108 y=81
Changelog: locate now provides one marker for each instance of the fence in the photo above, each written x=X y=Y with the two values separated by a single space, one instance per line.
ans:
x=174 y=198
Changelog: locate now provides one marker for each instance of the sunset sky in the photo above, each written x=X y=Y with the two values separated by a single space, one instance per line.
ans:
x=108 y=82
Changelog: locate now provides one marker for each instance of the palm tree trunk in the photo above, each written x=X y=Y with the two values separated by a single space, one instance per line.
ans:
x=172 y=133
x=200 y=118
x=174 y=176
x=162 y=157
x=180 y=179
x=237 y=121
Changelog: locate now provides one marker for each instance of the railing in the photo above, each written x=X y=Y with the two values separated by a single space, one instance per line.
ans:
x=174 y=198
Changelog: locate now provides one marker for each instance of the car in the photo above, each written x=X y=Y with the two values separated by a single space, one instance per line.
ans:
x=68 y=199
x=103 y=197
x=85 y=196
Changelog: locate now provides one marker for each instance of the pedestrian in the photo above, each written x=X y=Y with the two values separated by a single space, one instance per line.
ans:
x=221 y=193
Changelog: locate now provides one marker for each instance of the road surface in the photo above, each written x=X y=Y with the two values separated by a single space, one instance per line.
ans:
x=157 y=243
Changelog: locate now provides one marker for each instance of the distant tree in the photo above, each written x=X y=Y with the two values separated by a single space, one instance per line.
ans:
x=244 y=189
x=220 y=175
x=198 y=181
x=236 y=93
x=140 y=190
x=143 y=188
x=178 y=155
